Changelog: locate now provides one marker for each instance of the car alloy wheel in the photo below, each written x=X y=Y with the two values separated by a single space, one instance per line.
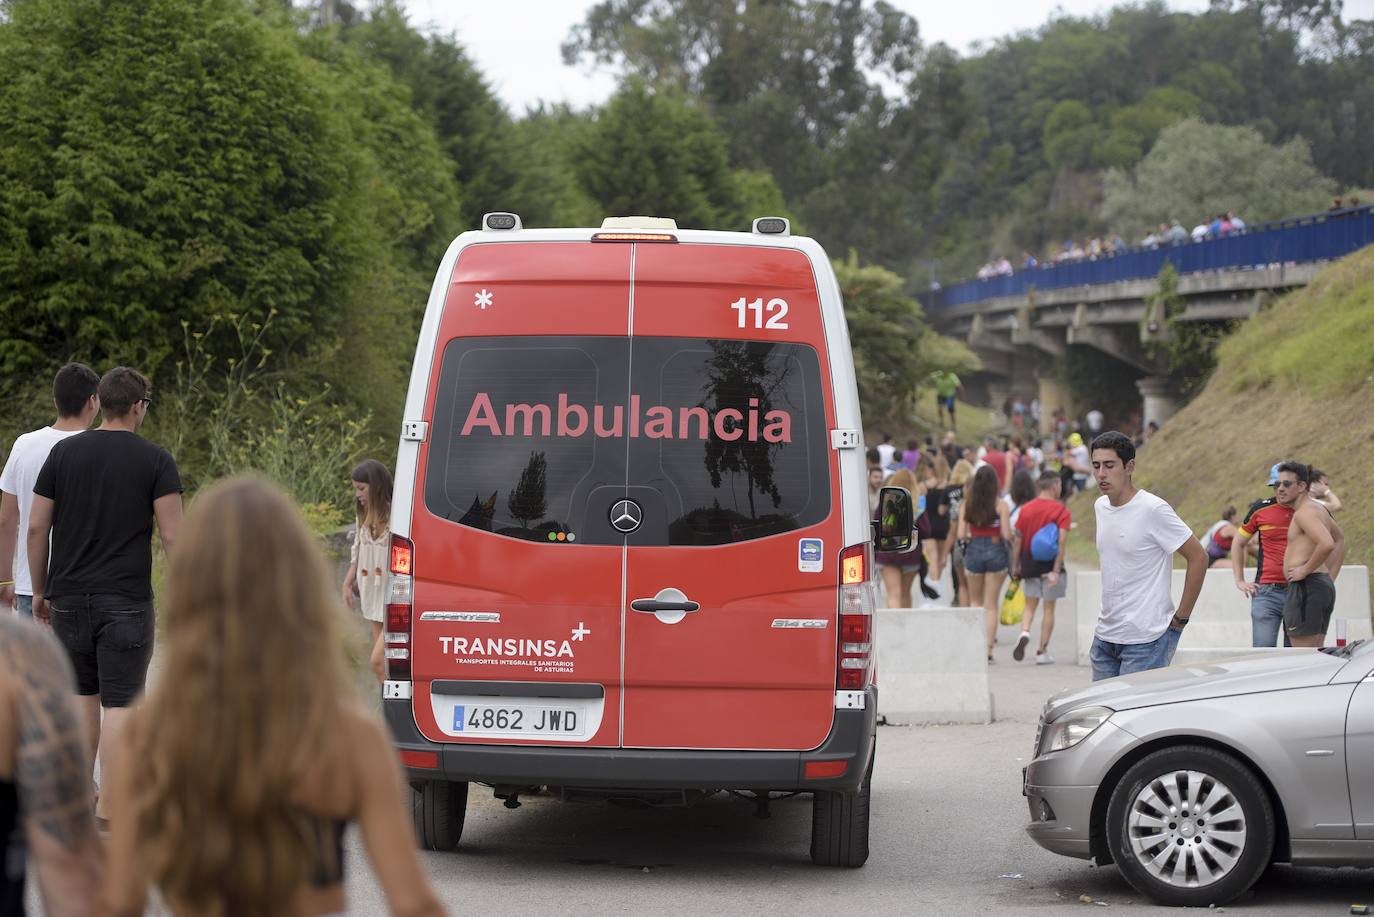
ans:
x=1190 y=826
x=1187 y=828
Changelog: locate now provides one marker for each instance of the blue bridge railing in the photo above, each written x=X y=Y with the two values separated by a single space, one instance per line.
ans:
x=1317 y=237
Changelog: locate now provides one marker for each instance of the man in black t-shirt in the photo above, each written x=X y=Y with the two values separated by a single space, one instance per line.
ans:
x=97 y=495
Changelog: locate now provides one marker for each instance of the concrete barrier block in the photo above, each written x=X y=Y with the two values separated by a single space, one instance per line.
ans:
x=1221 y=619
x=932 y=665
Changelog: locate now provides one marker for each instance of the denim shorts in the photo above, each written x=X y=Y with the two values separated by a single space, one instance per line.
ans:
x=109 y=640
x=985 y=555
x=1112 y=659
x=25 y=605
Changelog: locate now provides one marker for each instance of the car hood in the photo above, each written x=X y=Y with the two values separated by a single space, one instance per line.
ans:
x=1247 y=674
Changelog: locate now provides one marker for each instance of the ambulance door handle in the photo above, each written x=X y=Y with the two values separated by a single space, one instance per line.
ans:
x=653 y=605
x=670 y=605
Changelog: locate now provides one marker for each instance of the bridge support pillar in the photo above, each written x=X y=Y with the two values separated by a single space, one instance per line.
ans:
x=1053 y=396
x=1160 y=404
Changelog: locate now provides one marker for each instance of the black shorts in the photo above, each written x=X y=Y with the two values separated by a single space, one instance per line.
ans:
x=1308 y=605
x=109 y=640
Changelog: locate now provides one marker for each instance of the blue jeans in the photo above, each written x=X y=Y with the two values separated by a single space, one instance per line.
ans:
x=1112 y=659
x=985 y=555
x=25 y=605
x=1266 y=614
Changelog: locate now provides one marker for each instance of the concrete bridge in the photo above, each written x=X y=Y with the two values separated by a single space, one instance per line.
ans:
x=1024 y=324
x=1021 y=337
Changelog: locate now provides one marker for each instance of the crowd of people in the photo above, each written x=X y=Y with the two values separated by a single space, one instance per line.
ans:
x=1000 y=510
x=225 y=787
x=985 y=512
x=1071 y=251
x=207 y=832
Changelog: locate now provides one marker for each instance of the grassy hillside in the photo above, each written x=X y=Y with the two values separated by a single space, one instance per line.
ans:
x=1295 y=382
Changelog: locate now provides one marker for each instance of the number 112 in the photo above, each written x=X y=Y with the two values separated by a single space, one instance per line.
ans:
x=776 y=309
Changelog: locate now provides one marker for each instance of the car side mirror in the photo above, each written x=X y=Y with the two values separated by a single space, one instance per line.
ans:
x=896 y=521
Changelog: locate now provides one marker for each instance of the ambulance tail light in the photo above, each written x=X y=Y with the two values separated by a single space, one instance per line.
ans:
x=399 y=604
x=857 y=599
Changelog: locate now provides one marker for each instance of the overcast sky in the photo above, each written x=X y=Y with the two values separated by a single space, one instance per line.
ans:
x=516 y=42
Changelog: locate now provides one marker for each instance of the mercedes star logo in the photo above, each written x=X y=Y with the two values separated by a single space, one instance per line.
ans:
x=626 y=516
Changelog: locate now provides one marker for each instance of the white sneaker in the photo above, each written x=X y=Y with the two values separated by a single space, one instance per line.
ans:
x=1044 y=659
x=1020 y=652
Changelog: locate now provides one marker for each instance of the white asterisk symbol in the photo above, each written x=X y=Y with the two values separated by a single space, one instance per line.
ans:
x=580 y=632
x=483 y=299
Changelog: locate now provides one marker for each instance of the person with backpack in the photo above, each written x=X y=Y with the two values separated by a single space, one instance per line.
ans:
x=1039 y=535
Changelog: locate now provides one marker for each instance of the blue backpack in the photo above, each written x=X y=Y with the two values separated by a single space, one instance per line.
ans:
x=1044 y=544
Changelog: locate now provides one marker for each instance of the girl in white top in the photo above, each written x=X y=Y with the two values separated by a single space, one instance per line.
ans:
x=371 y=546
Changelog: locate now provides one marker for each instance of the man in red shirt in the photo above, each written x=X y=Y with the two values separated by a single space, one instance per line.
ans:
x=1268 y=519
x=1040 y=578
x=1001 y=462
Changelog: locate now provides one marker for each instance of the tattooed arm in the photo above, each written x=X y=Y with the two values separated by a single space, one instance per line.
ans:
x=42 y=744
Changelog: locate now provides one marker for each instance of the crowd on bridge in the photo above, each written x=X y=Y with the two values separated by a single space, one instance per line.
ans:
x=1072 y=251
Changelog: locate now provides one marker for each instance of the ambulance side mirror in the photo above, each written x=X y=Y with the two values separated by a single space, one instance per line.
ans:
x=896 y=521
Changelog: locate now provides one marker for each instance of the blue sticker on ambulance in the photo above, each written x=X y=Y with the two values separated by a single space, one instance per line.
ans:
x=810 y=555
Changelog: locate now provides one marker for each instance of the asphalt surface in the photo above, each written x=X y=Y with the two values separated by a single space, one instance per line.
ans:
x=947 y=837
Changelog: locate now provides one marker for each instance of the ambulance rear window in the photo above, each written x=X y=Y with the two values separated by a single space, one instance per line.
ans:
x=529 y=432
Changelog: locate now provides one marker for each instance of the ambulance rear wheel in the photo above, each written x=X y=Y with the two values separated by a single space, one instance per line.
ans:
x=440 y=807
x=839 y=826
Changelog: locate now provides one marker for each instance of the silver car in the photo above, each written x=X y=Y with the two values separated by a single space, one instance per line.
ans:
x=1193 y=779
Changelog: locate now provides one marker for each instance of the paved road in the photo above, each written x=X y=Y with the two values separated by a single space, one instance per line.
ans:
x=947 y=826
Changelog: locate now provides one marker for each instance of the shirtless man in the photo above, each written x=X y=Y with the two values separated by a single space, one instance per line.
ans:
x=46 y=809
x=1311 y=562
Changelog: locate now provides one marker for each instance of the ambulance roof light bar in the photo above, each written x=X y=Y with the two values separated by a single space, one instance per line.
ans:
x=773 y=226
x=501 y=220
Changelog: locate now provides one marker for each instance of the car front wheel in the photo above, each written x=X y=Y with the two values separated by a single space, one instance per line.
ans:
x=1190 y=826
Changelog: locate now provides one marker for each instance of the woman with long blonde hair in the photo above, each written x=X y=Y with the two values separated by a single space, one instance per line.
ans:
x=237 y=775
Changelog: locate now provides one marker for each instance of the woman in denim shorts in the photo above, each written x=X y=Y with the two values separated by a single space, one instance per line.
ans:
x=984 y=521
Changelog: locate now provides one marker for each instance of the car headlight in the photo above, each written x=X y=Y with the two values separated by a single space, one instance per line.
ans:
x=1071 y=728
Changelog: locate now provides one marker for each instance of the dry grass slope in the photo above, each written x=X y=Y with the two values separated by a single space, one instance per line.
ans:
x=1296 y=381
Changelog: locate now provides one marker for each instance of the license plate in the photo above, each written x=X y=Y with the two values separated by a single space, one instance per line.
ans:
x=570 y=719
x=536 y=721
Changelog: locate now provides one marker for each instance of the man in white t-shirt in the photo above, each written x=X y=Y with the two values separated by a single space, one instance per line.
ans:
x=1138 y=535
x=73 y=392
x=887 y=451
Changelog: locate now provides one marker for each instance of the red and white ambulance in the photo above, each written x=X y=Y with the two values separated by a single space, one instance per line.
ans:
x=632 y=548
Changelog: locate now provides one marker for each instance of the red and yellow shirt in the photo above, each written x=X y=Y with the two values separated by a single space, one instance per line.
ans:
x=1269 y=520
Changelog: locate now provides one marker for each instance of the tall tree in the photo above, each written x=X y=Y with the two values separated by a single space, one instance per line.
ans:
x=473 y=128
x=1198 y=169
x=654 y=152
x=160 y=162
